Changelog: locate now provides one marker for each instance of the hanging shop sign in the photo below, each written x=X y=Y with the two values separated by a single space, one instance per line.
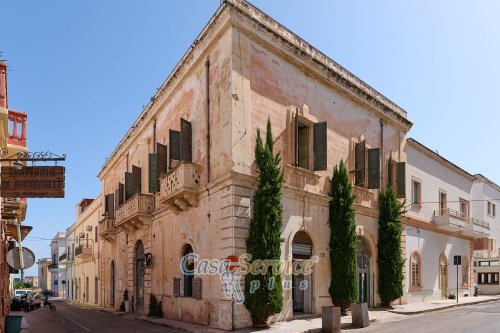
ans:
x=32 y=182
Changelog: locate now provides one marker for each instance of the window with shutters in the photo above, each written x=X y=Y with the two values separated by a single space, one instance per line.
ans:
x=416 y=196
x=180 y=144
x=307 y=140
x=396 y=177
x=366 y=165
x=491 y=209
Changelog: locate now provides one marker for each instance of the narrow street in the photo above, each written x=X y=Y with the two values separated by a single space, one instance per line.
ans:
x=482 y=318
x=74 y=319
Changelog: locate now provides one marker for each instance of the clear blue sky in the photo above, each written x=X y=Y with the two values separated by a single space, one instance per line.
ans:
x=82 y=70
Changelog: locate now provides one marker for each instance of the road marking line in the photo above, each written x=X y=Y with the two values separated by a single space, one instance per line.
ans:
x=77 y=323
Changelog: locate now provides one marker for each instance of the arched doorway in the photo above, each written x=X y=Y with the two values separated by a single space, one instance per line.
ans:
x=443 y=275
x=188 y=278
x=139 y=277
x=302 y=284
x=112 y=284
x=363 y=271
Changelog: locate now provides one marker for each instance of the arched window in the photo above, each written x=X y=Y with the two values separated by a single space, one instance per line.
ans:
x=416 y=270
x=465 y=270
x=188 y=278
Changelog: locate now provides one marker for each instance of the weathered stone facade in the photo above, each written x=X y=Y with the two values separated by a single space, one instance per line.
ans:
x=243 y=69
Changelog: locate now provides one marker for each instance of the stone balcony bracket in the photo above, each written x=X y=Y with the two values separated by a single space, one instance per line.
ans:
x=135 y=212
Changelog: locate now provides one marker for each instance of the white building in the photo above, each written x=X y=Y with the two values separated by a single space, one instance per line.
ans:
x=67 y=259
x=445 y=213
x=44 y=275
x=58 y=270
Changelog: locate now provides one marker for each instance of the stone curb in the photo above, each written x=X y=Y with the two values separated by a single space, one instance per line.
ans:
x=443 y=307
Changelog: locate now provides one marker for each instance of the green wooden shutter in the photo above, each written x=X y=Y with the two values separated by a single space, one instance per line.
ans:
x=374 y=168
x=174 y=138
x=320 y=146
x=121 y=194
x=162 y=152
x=401 y=181
x=111 y=206
x=196 y=288
x=117 y=198
x=186 y=144
x=177 y=287
x=153 y=173
x=359 y=161
x=136 y=171
x=129 y=185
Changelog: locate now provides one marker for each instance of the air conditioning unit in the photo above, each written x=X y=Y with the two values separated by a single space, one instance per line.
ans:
x=88 y=228
x=82 y=235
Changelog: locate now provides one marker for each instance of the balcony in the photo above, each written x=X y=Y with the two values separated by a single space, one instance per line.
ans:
x=107 y=229
x=135 y=212
x=53 y=267
x=66 y=258
x=83 y=252
x=17 y=125
x=14 y=208
x=450 y=219
x=179 y=188
x=477 y=228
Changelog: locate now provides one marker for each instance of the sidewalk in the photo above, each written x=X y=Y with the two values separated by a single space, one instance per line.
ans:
x=312 y=325
x=422 y=307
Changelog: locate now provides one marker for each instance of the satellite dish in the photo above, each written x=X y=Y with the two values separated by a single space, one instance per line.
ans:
x=13 y=258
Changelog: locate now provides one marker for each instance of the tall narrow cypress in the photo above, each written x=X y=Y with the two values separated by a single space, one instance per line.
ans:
x=343 y=240
x=390 y=260
x=263 y=241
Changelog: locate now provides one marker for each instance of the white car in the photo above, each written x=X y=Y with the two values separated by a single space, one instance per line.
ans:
x=20 y=292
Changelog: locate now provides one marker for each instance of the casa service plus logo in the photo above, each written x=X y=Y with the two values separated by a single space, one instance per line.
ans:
x=233 y=268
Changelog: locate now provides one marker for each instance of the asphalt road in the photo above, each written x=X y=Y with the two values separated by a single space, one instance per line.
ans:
x=73 y=319
x=481 y=318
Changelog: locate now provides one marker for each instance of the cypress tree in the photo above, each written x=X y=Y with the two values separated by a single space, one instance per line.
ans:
x=390 y=260
x=343 y=240
x=263 y=241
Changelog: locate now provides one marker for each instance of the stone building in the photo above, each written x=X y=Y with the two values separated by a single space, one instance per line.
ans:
x=182 y=178
x=44 y=275
x=83 y=245
x=447 y=212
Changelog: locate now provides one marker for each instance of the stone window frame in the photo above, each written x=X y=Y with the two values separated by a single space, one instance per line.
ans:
x=415 y=180
x=183 y=277
x=416 y=286
x=445 y=203
x=308 y=120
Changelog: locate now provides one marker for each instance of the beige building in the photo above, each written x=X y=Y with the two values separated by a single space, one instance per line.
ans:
x=83 y=249
x=44 y=275
x=182 y=178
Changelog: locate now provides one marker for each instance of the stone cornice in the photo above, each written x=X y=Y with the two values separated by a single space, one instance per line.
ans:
x=218 y=22
x=325 y=68
x=438 y=158
x=304 y=52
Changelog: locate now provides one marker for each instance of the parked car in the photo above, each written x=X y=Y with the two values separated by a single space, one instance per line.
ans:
x=20 y=292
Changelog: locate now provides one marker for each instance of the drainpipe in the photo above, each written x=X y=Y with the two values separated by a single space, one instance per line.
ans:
x=382 y=159
x=207 y=81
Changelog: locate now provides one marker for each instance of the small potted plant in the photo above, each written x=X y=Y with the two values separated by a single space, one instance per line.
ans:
x=126 y=301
